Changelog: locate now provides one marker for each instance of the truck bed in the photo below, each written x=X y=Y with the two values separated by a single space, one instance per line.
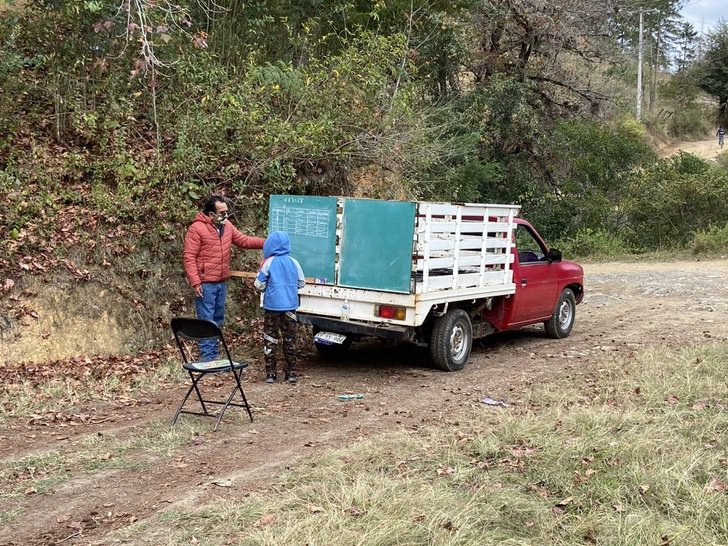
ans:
x=458 y=252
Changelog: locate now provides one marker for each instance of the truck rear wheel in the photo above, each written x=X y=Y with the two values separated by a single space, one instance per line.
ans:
x=452 y=340
x=562 y=320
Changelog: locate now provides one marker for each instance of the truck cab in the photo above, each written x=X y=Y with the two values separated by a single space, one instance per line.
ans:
x=541 y=276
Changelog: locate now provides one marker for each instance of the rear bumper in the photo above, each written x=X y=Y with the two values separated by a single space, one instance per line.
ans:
x=389 y=331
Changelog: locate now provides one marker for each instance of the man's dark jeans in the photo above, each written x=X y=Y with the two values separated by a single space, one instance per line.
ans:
x=211 y=306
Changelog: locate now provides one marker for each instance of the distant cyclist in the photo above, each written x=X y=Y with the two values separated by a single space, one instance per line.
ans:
x=720 y=133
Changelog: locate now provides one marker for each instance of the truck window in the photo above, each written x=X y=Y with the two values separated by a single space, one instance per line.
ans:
x=529 y=248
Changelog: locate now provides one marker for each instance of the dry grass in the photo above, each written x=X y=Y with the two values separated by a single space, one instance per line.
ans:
x=639 y=459
x=61 y=394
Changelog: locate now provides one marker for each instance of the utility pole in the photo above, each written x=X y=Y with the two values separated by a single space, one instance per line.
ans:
x=639 y=69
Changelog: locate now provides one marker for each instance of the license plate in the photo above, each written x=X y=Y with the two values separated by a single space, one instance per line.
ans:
x=329 y=338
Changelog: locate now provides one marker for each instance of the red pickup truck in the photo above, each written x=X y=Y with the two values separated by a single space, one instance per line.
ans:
x=474 y=270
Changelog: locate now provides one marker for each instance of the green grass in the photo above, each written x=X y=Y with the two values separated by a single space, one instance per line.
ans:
x=96 y=453
x=36 y=473
x=9 y=516
x=638 y=459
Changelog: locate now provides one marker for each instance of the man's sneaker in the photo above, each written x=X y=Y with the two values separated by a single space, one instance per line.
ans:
x=291 y=377
x=270 y=378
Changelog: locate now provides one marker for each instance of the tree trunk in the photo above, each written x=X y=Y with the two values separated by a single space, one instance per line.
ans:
x=655 y=70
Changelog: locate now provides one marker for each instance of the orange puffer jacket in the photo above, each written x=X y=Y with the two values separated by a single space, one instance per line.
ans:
x=206 y=255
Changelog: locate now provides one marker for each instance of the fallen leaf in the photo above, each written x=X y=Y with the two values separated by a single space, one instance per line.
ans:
x=63 y=519
x=315 y=509
x=672 y=399
x=715 y=485
x=223 y=483
x=31 y=491
x=355 y=511
x=539 y=490
x=565 y=502
x=267 y=519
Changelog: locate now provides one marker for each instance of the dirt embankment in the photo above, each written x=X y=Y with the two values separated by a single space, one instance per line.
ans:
x=627 y=307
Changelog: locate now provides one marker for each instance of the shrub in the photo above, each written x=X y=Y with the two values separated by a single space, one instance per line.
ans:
x=594 y=243
x=691 y=121
x=673 y=199
x=722 y=159
x=714 y=240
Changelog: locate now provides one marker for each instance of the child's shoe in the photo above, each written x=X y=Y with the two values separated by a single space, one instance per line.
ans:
x=291 y=377
x=270 y=378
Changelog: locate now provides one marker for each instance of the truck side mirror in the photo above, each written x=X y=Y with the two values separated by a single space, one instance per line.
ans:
x=554 y=255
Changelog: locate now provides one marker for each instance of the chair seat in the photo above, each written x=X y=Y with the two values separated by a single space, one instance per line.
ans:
x=213 y=366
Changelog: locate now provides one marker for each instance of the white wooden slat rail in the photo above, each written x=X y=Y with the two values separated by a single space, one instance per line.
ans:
x=462 y=246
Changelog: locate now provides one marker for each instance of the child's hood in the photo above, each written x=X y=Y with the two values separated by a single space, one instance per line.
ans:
x=277 y=244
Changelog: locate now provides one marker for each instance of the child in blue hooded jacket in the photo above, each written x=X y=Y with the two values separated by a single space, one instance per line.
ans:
x=279 y=278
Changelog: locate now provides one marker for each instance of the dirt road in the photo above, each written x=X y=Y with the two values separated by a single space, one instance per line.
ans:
x=627 y=307
x=707 y=149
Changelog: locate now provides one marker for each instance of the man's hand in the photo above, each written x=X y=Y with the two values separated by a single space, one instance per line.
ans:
x=198 y=290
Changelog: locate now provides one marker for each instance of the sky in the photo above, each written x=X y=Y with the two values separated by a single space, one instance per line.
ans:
x=705 y=14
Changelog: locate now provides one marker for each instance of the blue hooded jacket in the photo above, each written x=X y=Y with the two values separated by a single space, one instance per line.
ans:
x=280 y=276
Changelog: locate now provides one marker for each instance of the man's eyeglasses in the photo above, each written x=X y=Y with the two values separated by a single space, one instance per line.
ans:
x=223 y=215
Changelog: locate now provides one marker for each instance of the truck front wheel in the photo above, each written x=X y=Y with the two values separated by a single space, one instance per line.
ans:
x=561 y=322
x=452 y=340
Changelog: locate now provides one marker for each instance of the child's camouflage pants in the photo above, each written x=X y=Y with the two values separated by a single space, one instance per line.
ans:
x=279 y=329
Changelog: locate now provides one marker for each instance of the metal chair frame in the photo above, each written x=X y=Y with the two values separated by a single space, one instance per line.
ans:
x=196 y=330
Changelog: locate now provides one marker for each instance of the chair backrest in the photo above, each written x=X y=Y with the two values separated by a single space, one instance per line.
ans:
x=193 y=328
x=196 y=329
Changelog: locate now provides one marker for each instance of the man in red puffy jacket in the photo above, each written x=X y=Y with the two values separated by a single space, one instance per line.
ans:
x=206 y=260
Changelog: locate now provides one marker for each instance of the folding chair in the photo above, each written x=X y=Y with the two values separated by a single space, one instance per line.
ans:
x=195 y=330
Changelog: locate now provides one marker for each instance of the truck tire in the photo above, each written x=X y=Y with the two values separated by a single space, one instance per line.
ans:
x=452 y=340
x=562 y=319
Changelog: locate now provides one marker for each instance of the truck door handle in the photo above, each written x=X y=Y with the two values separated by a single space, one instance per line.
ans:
x=524 y=282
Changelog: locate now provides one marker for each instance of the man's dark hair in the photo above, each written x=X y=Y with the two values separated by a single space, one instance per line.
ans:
x=210 y=204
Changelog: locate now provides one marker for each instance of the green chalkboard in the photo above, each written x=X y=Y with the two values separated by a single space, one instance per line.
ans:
x=376 y=245
x=310 y=222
